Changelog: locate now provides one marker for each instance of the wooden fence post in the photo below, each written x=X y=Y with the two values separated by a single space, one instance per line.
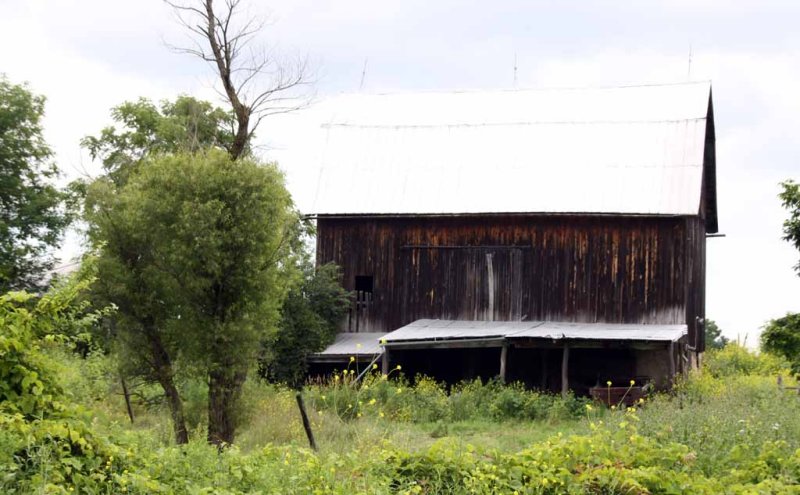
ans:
x=127 y=395
x=306 y=422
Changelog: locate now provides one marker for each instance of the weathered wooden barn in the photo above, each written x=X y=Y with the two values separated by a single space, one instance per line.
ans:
x=557 y=237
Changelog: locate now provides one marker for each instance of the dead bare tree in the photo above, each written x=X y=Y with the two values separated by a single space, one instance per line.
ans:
x=256 y=82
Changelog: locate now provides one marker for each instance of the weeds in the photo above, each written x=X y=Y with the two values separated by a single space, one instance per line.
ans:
x=730 y=429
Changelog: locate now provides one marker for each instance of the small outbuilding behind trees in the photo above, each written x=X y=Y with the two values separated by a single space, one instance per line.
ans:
x=556 y=237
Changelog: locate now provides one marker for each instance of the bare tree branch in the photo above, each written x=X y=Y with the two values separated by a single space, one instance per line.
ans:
x=256 y=84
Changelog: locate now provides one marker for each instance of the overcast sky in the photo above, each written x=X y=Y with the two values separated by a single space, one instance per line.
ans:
x=89 y=55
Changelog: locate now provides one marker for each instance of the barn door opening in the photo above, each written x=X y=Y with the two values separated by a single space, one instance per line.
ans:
x=359 y=310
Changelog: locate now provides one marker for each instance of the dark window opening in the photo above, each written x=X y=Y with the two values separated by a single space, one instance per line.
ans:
x=359 y=312
x=364 y=283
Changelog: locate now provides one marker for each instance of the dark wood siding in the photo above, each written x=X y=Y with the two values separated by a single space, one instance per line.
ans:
x=557 y=268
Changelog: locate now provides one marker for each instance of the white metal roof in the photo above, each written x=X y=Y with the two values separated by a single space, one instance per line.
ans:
x=456 y=329
x=603 y=331
x=353 y=344
x=427 y=330
x=635 y=150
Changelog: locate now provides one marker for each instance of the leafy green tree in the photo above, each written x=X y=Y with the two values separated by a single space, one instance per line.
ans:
x=143 y=129
x=34 y=213
x=781 y=336
x=28 y=380
x=211 y=244
x=790 y=199
x=310 y=319
x=714 y=337
x=129 y=275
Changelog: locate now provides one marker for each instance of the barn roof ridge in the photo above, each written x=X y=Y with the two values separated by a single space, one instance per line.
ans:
x=487 y=124
x=526 y=88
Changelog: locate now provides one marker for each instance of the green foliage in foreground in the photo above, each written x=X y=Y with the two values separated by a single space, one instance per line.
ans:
x=429 y=401
x=730 y=431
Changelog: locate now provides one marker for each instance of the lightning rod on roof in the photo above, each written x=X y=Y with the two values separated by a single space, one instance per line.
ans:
x=689 y=71
x=363 y=74
x=515 y=69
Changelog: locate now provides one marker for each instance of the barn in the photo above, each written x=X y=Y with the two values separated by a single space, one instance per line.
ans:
x=555 y=237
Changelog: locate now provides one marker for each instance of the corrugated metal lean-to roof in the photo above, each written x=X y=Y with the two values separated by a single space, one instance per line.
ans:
x=630 y=150
x=353 y=344
x=453 y=330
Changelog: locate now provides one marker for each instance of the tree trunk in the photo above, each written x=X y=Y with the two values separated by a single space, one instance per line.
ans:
x=224 y=390
x=162 y=368
x=175 y=409
x=239 y=145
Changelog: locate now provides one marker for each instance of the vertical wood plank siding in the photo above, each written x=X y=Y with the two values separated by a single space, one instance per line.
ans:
x=557 y=268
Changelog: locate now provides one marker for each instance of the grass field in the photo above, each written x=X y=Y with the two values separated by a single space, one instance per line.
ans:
x=727 y=430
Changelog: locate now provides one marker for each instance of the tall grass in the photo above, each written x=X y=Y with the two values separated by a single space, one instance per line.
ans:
x=429 y=401
x=728 y=429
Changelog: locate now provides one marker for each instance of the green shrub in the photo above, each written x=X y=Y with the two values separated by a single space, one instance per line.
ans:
x=470 y=399
x=428 y=401
x=734 y=359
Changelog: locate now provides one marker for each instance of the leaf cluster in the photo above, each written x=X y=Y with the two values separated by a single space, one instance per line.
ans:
x=33 y=212
x=781 y=337
x=144 y=129
x=199 y=247
x=790 y=199
x=310 y=319
x=713 y=335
